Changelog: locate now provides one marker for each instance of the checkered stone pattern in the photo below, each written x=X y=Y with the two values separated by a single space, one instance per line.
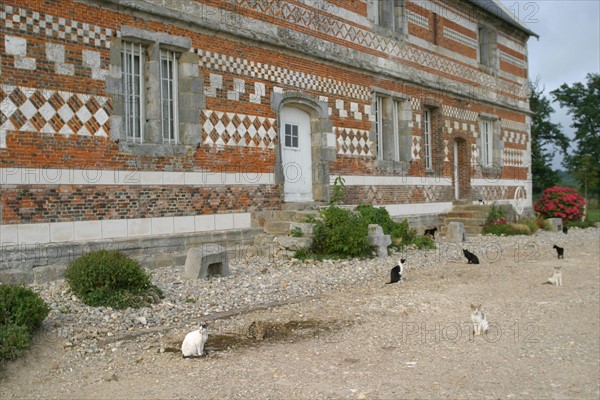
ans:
x=460 y=38
x=416 y=148
x=281 y=76
x=26 y=109
x=353 y=142
x=514 y=125
x=232 y=129
x=459 y=114
x=513 y=158
x=514 y=137
x=415 y=104
x=418 y=19
x=22 y=20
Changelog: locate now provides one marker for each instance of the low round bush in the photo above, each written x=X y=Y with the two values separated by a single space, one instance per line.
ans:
x=112 y=279
x=558 y=202
x=22 y=306
x=21 y=313
x=14 y=339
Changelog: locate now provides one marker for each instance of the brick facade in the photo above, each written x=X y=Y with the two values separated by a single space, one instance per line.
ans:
x=63 y=106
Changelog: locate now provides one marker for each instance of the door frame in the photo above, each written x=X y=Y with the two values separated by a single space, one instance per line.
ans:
x=323 y=140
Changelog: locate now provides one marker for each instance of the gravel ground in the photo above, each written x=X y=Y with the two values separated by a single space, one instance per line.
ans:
x=344 y=334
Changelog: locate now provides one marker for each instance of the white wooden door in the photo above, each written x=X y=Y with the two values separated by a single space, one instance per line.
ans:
x=296 y=155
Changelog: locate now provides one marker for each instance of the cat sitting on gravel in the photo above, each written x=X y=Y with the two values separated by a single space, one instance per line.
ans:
x=193 y=344
x=559 y=251
x=556 y=278
x=396 y=272
x=471 y=258
x=480 y=323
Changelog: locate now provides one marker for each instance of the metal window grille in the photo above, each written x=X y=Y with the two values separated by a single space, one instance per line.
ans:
x=132 y=62
x=427 y=134
x=168 y=96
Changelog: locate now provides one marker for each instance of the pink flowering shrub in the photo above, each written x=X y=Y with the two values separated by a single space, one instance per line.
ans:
x=557 y=202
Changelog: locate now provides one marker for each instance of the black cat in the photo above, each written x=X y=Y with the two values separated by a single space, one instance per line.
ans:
x=481 y=201
x=431 y=232
x=396 y=272
x=560 y=251
x=565 y=230
x=472 y=258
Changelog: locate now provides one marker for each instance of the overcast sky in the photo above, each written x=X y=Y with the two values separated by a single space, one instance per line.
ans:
x=568 y=48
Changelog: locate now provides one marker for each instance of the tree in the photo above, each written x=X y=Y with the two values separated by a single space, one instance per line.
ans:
x=543 y=133
x=583 y=104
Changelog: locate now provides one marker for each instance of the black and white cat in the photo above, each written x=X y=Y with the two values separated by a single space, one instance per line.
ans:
x=560 y=251
x=193 y=344
x=480 y=322
x=471 y=258
x=396 y=272
x=431 y=232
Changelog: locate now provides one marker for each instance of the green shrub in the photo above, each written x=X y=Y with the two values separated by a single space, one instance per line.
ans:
x=297 y=232
x=112 y=279
x=495 y=214
x=340 y=233
x=506 y=229
x=533 y=226
x=14 y=339
x=22 y=306
x=400 y=232
x=21 y=313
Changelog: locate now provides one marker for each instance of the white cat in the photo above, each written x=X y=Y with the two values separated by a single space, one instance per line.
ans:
x=480 y=323
x=556 y=278
x=193 y=344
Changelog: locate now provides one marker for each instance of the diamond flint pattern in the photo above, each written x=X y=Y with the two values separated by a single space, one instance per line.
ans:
x=50 y=111
x=231 y=129
x=353 y=142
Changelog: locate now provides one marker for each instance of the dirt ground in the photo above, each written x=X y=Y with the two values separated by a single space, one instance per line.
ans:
x=407 y=340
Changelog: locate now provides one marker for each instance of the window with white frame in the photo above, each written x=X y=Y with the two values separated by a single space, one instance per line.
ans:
x=132 y=63
x=427 y=138
x=379 y=126
x=487 y=140
x=391 y=124
x=168 y=96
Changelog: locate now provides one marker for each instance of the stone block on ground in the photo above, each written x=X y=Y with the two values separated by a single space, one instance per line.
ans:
x=207 y=259
x=377 y=239
x=557 y=224
x=456 y=232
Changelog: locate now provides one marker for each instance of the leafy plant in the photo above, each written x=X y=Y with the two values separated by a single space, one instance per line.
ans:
x=400 y=232
x=21 y=313
x=14 y=339
x=112 y=279
x=496 y=216
x=557 y=202
x=297 y=232
x=339 y=191
x=22 y=306
x=339 y=234
x=507 y=229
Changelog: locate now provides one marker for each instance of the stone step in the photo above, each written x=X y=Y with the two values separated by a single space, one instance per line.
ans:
x=466 y=214
x=473 y=207
x=465 y=221
x=300 y=206
x=469 y=230
x=286 y=227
